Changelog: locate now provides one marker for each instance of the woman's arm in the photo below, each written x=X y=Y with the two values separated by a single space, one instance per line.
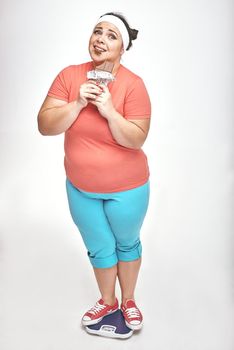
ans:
x=56 y=116
x=129 y=133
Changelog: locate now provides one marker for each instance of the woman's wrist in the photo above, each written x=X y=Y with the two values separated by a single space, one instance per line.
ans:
x=113 y=115
x=78 y=105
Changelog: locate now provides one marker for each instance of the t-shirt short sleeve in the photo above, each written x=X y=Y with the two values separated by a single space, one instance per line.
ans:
x=137 y=102
x=59 y=88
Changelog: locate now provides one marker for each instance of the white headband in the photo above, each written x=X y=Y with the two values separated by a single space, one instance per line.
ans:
x=119 y=24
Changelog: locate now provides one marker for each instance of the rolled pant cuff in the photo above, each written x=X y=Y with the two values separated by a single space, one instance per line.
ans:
x=130 y=255
x=104 y=263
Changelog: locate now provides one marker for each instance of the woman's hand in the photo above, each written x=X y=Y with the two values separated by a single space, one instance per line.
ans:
x=103 y=102
x=129 y=133
x=89 y=91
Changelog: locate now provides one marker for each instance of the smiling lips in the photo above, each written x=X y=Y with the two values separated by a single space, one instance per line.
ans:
x=99 y=49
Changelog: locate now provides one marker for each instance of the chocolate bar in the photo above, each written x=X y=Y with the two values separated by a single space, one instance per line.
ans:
x=102 y=73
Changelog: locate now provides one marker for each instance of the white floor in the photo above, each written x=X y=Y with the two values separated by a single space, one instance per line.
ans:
x=185 y=288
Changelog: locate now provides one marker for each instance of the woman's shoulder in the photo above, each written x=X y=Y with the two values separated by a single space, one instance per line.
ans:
x=128 y=75
x=126 y=71
x=77 y=68
x=74 y=73
x=128 y=79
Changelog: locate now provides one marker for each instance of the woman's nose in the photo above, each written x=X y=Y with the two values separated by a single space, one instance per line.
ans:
x=101 y=38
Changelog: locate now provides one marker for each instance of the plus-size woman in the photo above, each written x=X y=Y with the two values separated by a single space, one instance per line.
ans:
x=105 y=126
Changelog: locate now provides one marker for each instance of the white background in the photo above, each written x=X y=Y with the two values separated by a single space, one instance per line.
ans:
x=184 y=53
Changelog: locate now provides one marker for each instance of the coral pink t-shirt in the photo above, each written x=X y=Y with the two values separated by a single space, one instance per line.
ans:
x=94 y=161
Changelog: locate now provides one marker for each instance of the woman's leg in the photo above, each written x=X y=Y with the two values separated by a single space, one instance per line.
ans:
x=126 y=213
x=106 y=280
x=127 y=275
x=90 y=218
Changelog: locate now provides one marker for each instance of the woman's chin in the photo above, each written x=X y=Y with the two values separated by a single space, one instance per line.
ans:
x=98 y=57
x=98 y=60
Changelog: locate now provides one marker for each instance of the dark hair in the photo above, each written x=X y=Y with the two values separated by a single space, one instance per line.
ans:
x=131 y=32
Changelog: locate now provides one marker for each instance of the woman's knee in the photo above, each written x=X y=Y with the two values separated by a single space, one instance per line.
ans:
x=103 y=259
x=129 y=251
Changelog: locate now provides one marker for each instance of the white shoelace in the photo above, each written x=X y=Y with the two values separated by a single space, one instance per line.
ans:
x=132 y=312
x=96 y=308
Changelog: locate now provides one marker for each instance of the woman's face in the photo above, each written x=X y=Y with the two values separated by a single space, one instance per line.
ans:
x=105 y=43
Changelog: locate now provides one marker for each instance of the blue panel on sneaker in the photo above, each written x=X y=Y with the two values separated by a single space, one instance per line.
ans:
x=112 y=326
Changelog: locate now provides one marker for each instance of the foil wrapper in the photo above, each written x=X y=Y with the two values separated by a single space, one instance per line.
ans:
x=101 y=76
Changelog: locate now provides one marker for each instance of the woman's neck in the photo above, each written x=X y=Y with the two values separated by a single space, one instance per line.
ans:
x=109 y=66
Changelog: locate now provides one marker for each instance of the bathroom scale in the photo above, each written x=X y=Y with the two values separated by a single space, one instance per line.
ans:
x=112 y=326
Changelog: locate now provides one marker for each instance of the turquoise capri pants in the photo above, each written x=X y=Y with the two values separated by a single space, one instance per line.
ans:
x=109 y=223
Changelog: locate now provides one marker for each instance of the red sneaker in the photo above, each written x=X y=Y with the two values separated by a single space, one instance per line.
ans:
x=132 y=315
x=98 y=311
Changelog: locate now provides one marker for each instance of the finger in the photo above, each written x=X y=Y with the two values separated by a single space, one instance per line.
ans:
x=89 y=84
x=90 y=90
x=95 y=89
x=104 y=87
x=98 y=100
x=95 y=83
x=95 y=102
x=90 y=81
x=90 y=96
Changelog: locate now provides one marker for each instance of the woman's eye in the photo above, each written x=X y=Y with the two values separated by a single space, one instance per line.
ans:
x=99 y=32
x=111 y=36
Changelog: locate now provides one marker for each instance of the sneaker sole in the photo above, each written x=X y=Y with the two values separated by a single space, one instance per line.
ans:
x=135 y=327
x=92 y=322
